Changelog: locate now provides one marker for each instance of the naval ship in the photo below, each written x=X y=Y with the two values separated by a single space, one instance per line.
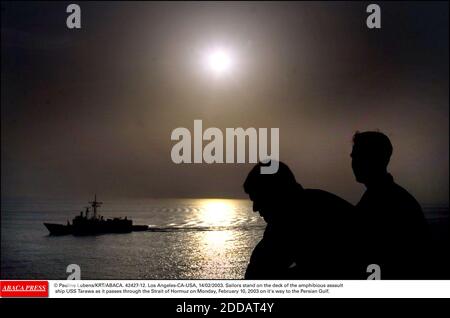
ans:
x=83 y=224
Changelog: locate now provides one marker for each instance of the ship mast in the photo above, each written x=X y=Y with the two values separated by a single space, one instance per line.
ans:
x=95 y=204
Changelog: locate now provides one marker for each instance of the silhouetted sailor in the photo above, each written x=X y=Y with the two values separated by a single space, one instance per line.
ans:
x=394 y=229
x=307 y=232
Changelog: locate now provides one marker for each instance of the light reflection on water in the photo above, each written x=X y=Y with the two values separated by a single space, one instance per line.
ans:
x=216 y=212
x=217 y=244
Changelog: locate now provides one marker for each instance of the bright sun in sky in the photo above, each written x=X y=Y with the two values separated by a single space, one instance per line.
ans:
x=219 y=61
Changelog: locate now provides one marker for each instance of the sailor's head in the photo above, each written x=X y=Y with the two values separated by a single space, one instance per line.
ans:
x=371 y=153
x=270 y=191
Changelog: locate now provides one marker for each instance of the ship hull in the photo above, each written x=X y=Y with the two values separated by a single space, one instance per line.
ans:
x=139 y=228
x=94 y=228
x=58 y=229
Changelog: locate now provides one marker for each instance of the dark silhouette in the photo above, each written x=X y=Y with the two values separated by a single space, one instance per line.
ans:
x=308 y=233
x=394 y=232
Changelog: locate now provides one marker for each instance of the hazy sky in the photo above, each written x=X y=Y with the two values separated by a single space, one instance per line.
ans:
x=92 y=110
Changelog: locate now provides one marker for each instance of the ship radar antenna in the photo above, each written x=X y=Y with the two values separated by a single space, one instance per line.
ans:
x=95 y=204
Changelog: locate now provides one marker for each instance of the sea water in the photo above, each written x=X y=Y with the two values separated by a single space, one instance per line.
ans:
x=188 y=239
